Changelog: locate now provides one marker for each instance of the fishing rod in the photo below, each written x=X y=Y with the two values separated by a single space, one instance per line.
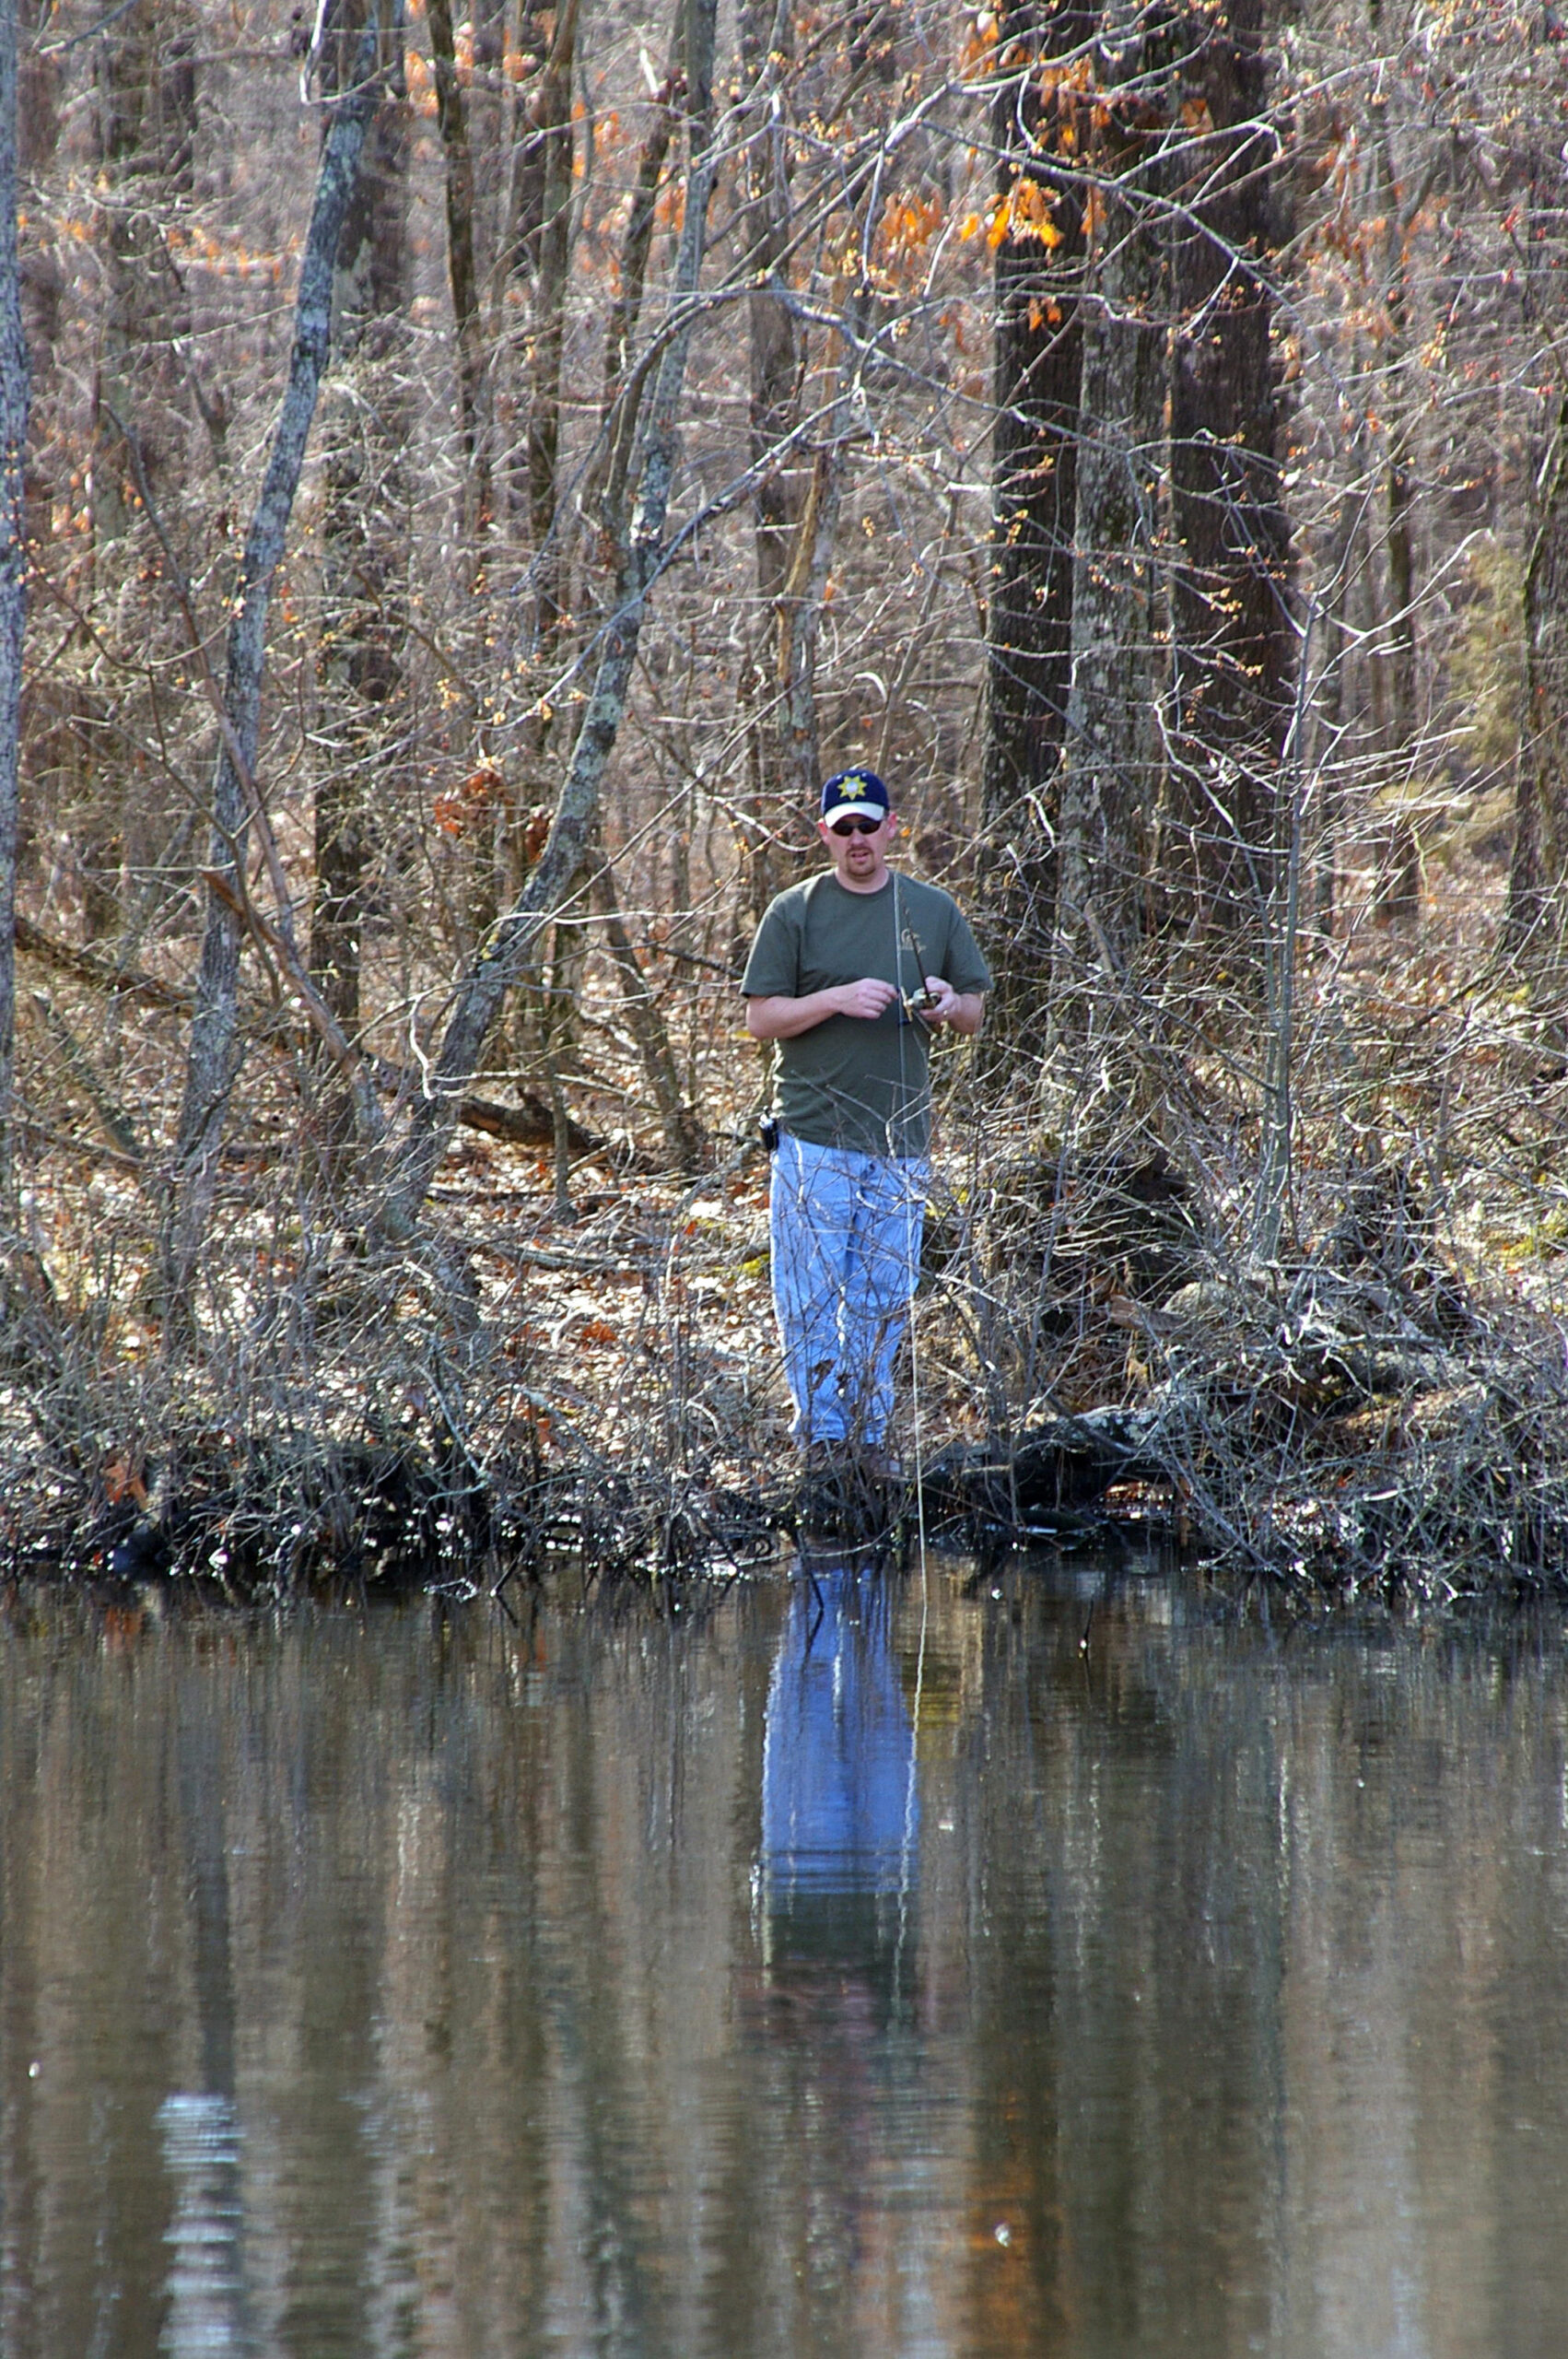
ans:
x=915 y=1004
x=922 y=1000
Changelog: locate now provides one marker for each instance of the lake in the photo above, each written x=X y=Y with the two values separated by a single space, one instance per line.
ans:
x=1039 y=1958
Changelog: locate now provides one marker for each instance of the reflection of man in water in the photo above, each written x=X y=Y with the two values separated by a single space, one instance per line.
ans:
x=840 y=1813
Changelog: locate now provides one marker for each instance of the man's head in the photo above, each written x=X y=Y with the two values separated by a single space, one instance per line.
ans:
x=857 y=824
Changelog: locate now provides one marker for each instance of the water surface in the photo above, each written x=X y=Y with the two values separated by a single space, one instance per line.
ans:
x=853 y=1965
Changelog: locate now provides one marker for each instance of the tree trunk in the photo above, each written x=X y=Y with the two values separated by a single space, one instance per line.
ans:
x=512 y=942
x=146 y=102
x=1232 y=643
x=804 y=592
x=364 y=538
x=1397 y=887
x=1329 y=715
x=1038 y=350
x=684 y=1139
x=1533 y=925
x=462 y=268
x=1112 y=765
x=631 y=276
x=145 y=88
x=15 y=386
x=766 y=29
x=550 y=251
x=212 y=1057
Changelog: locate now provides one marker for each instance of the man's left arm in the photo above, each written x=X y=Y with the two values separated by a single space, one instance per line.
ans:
x=962 y=1004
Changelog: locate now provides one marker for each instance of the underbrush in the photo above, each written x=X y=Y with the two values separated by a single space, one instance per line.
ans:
x=1378 y=1403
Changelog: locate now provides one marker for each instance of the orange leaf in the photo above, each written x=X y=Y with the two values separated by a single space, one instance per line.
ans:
x=121 y=1481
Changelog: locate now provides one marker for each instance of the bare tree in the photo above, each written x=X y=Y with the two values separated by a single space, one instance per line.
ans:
x=512 y=941
x=1113 y=761
x=214 y=1053
x=462 y=264
x=15 y=384
x=1040 y=119
x=1232 y=636
x=766 y=29
x=364 y=526
x=1534 y=921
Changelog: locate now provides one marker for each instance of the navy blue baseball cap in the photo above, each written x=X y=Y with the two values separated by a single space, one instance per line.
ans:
x=855 y=794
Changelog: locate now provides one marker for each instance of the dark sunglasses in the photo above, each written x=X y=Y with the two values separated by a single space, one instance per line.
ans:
x=854 y=827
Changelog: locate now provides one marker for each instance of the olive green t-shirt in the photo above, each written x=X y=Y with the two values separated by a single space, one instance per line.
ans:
x=850 y=1082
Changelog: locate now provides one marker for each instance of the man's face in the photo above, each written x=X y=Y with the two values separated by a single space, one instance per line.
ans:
x=858 y=854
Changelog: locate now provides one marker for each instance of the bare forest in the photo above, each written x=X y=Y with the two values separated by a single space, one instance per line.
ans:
x=467 y=478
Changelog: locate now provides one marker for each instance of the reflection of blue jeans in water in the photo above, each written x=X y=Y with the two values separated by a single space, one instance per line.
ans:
x=845 y=1240
x=839 y=1808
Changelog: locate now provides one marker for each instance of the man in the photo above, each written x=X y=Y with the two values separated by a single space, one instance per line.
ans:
x=853 y=972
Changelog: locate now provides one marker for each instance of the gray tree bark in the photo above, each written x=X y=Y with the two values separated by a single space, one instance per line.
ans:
x=15 y=390
x=364 y=532
x=1039 y=135
x=213 y=1055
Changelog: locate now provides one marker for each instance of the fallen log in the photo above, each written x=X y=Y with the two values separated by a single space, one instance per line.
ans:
x=532 y=1123
x=100 y=974
x=529 y=1124
x=1061 y=1467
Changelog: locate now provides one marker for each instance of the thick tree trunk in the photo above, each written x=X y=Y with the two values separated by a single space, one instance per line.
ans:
x=364 y=536
x=550 y=252
x=462 y=267
x=512 y=942
x=1039 y=367
x=1233 y=645
x=15 y=386
x=1113 y=763
x=212 y=1055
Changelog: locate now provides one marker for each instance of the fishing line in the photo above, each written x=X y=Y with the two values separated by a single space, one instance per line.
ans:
x=911 y=1795
x=906 y=1012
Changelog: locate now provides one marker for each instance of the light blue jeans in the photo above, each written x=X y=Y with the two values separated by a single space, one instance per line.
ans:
x=845 y=1231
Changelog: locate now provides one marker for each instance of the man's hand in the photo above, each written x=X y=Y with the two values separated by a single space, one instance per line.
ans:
x=870 y=998
x=963 y=1010
x=779 y=1017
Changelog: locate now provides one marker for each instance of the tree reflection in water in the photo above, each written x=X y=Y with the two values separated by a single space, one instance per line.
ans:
x=864 y=1969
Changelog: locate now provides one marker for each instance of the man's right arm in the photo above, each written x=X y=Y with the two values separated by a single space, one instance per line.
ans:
x=779 y=1017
